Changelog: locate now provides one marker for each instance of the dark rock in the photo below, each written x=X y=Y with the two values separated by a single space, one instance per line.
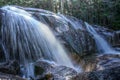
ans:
x=107 y=61
x=1 y=11
x=87 y=62
x=116 y=38
x=80 y=41
x=4 y=76
x=43 y=66
x=106 y=67
x=98 y=62
x=107 y=74
x=10 y=67
x=62 y=73
x=48 y=76
x=51 y=71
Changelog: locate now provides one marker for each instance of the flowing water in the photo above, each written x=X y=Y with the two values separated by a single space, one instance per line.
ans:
x=25 y=39
x=75 y=24
x=102 y=45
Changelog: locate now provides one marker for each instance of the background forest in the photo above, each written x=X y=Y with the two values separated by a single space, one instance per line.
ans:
x=100 y=12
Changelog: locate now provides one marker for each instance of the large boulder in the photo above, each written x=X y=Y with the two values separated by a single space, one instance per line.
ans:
x=79 y=42
x=45 y=70
x=106 y=67
x=107 y=74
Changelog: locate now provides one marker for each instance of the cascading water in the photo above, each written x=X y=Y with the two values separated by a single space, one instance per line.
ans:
x=102 y=44
x=75 y=24
x=26 y=39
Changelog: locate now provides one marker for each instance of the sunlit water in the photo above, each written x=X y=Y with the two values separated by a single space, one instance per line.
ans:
x=27 y=40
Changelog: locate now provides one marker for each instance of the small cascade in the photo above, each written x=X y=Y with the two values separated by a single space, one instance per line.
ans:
x=26 y=40
x=102 y=45
x=75 y=24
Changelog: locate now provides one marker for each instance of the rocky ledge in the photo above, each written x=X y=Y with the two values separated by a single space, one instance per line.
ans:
x=107 y=74
x=107 y=68
x=43 y=70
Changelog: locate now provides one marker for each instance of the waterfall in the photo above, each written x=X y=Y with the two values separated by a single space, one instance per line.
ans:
x=75 y=24
x=25 y=39
x=102 y=45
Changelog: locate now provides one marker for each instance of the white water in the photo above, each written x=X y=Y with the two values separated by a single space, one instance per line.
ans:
x=75 y=24
x=27 y=40
x=102 y=44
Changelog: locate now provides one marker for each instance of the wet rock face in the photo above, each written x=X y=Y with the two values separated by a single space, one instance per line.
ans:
x=10 y=71
x=43 y=66
x=74 y=38
x=98 y=62
x=4 y=76
x=10 y=67
x=79 y=41
x=107 y=74
x=51 y=71
x=43 y=70
x=107 y=67
x=107 y=61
